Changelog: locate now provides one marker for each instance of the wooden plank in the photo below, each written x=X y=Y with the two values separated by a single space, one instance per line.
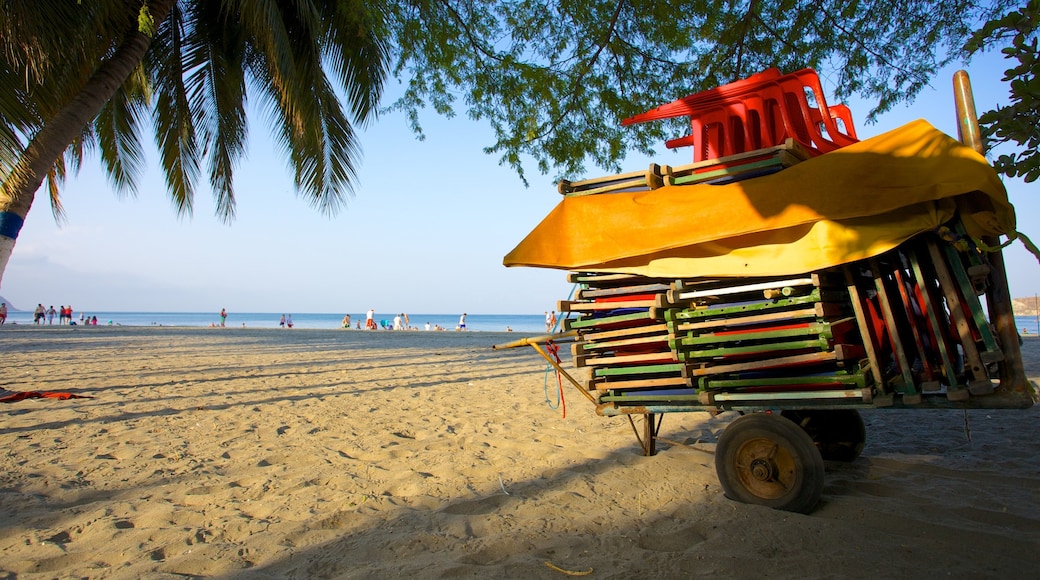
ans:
x=605 y=321
x=836 y=379
x=707 y=312
x=646 y=179
x=692 y=371
x=591 y=293
x=933 y=304
x=747 y=288
x=641 y=401
x=764 y=351
x=638 y=370
x=600 y=278
x=677 y=381
x=576 y=306
x=789 y=145
x=729 y=322
x=661 y=339
x=776 y=162
x=823 y=329
x=907 y=386
x=975 y=366
x=849 y=352
x=870 y=343
x=592 y=335
x=861 y=394
x=924 y=354
x=992 y=352
x=599 y=361
x=637 y=398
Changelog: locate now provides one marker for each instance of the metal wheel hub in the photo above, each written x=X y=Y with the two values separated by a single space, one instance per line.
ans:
x=763 y=469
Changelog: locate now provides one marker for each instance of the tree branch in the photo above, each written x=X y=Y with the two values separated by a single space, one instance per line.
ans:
x=549 y=126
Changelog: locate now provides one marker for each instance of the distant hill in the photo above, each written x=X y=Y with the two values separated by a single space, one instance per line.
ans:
x=10 y=307
x=1024 y=306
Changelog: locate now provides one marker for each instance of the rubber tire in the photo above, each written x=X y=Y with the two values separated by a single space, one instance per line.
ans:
x=765 y=459
x=839 y=434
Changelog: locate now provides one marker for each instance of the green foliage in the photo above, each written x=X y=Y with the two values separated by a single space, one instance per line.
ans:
x=555 y=78
x=1018 y=122
x=552 y=78
x=145 y=22
x=316 y=68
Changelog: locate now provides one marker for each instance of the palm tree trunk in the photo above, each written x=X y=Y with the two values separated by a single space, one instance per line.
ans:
x=49 y=144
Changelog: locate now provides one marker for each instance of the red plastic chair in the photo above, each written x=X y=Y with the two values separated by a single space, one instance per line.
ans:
x=760 y=111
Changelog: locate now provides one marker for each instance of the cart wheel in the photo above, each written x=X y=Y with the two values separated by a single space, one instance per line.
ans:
x=767 y=460
x=838 y=433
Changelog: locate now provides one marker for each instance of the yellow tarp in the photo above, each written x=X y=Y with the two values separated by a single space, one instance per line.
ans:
x=849 y=204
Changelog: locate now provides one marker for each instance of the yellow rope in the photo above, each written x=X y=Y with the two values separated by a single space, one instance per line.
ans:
x=569 y=572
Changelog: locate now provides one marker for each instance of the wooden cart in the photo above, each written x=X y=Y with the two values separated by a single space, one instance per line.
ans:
x=927 y=324
x=797 y=356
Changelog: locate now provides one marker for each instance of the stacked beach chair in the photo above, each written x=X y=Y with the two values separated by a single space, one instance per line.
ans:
x=883 y=331
x=709 y=341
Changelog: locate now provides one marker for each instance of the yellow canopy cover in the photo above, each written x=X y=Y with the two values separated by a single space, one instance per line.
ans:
x=843 y=206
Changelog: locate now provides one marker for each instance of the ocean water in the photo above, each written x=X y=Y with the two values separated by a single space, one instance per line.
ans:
x=525 y=323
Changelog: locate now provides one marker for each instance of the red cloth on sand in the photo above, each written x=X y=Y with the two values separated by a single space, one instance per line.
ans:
x=14 y=396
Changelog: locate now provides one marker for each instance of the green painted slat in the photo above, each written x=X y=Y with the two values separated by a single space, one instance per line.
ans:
x=953 y=260
x=702 y=313
x=595 y=322
x=637 y=370
x=820 y=329
x=635 y=400
x=857 y=379
x=689 y=355
x=700 y=177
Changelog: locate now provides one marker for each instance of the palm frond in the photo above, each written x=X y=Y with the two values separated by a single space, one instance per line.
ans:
x=218 y=55
x=174 y=117
x=118 y=135
x=356 y=48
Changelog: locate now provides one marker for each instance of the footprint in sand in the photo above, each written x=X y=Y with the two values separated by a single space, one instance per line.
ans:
x=476 y=507
x=672 y=541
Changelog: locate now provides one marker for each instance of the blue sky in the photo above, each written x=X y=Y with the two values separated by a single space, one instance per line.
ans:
x=425 y=232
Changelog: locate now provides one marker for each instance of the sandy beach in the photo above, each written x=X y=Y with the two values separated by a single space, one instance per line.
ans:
x=351 y=454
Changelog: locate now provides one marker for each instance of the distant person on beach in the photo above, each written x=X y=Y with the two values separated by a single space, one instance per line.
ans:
x=288 y=321
x=61 y=314
x=552 y=320
x=548 y=322
x=406 y=321
x=370 y=320
x=462 y=322
x=81 y=317
x=93 y=320
x=223 y=317
x=397 y=322
x=38 y=314
x=427 y=326
x=359 y=324
x=346 y=321
x=50 y=314
x=3 y=313
x=281 y=322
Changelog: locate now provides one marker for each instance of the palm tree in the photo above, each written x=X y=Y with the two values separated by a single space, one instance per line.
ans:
x=90 y=75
